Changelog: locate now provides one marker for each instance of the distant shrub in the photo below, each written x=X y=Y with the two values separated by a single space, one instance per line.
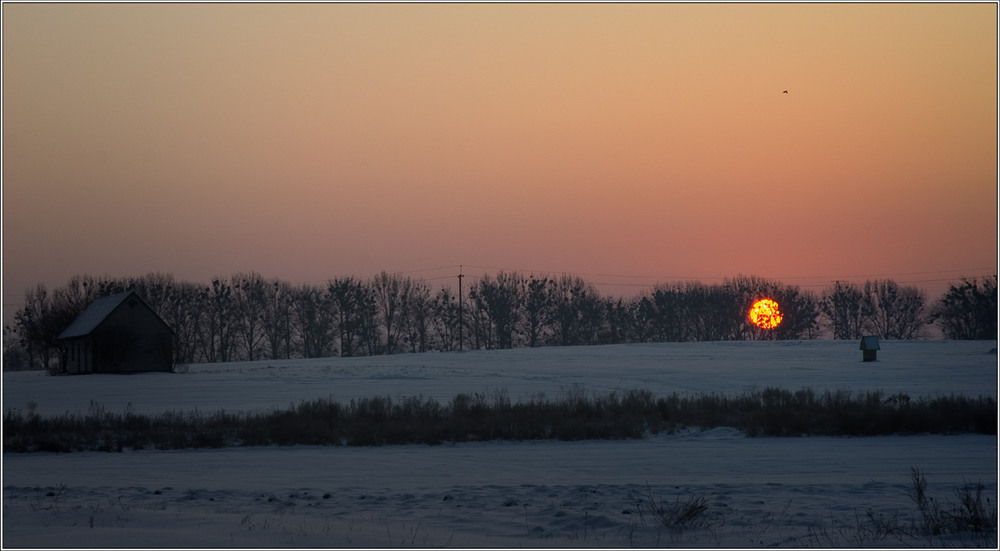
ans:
x=575 y=415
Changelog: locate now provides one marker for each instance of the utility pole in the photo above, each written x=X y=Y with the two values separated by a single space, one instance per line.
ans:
x=461 y=318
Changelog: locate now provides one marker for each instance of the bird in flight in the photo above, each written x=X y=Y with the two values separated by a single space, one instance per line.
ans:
x=785 y=92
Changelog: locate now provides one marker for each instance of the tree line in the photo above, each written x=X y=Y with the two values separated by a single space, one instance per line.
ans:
x=249 y=317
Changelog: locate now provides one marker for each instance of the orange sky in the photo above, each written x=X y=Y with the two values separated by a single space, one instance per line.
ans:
x=312 y=141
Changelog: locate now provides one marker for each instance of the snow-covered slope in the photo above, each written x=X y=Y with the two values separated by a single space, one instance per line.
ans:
x=914 y=367
x=795 y=492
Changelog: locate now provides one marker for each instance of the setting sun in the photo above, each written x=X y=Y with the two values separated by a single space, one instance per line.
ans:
x=765 y=314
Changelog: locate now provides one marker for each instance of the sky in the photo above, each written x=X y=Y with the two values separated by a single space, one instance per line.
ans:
x=629 y=144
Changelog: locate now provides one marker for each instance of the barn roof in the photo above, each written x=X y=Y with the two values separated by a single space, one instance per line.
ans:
x=97 y=312
x=869 y=342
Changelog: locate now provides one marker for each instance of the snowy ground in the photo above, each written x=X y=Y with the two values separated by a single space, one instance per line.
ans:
x=793 y=492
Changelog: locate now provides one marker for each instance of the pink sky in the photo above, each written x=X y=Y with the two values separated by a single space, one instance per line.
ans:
x=312 y=141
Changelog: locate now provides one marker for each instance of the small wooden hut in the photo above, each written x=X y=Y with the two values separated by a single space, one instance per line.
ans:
x=118 y=334
x=869 y=348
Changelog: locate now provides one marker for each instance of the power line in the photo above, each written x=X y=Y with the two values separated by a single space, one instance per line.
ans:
x=449 y=267
x=655 y=279
x=700 y=278
x=895 y=274
x=438 y=277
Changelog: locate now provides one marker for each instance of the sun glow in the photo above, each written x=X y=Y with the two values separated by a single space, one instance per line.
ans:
x=765 y=314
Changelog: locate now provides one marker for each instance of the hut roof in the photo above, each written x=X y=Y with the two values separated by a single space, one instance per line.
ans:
x=869 y=342
x=96 y=313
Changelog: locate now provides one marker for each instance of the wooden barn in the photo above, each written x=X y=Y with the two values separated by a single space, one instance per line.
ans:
x=118 y=334
x=869 y=348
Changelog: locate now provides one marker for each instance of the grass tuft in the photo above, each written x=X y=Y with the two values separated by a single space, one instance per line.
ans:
x=684 y=512
x=972 y=514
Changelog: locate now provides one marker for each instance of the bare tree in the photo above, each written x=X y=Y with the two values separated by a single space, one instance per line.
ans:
x=498 y=301
x=575 y=311
x=33 y=326
x=621 y=319
x=250 y=301
x=537 y=309
x=592 y=317
x=155 y=288
x=181 y=314
x=313 y=315
x=713 y=312
x=354 y=316
x=800 y=313
x=892 y=311
x=216 y=330
x=44 y=317
x=445 y=320
x=843 y=305
x=14 y=353
x=662 y=314
x=392 y=295
x=968 y=310
x=418 y=315
x=277 y=318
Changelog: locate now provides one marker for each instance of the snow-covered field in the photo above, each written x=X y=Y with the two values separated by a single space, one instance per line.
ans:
x=794 y=492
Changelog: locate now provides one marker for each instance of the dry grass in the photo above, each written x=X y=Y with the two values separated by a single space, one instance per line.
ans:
x=575 y=415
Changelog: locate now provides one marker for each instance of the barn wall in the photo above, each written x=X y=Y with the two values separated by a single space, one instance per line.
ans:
x=79 y=356
x=133 y=338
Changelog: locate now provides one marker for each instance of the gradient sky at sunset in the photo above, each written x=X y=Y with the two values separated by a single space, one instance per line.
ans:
x=311 y=141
